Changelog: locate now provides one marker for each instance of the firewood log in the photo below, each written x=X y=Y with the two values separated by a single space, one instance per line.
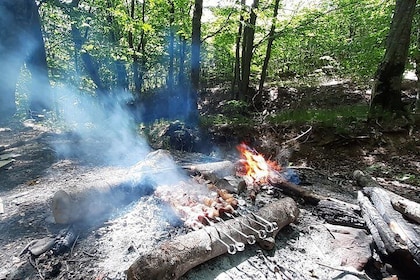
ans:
x=394 y=237
x=220 y=173
x=174 y=258
x=87 y=204
x=409 y=208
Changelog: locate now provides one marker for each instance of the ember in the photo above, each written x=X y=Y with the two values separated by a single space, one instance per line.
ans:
x=255 y=169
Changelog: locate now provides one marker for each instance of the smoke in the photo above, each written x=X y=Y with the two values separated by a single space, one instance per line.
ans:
x=102 y=129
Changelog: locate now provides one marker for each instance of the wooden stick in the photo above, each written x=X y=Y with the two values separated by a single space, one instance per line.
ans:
x=174 y=258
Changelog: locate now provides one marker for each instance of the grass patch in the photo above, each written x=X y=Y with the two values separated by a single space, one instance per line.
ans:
x=337 y=117
x=223 y=119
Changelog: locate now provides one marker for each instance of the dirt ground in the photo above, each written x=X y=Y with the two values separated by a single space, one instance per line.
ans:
x=105 y=248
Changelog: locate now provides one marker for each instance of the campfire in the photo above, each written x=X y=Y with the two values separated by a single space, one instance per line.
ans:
x=217 y=217
x=216 y=204
x=255 y=169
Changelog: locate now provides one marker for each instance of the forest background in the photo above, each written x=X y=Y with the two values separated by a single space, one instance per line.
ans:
x=161 y=57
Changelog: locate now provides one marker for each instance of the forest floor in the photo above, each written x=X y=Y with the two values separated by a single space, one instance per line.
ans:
x=324 y=162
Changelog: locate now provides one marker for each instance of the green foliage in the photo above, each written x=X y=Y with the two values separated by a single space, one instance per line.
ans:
x=225 y=120
x=339 y=118
x=341 y=37
x=235 y=107
x=351 y=32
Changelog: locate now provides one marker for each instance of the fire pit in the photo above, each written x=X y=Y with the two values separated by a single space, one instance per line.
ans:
x=221 y=221
x=163 y=219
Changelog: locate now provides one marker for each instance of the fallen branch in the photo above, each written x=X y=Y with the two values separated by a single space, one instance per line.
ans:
x=174 y=258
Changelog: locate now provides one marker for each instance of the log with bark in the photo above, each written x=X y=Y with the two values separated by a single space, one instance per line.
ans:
x=174 y=258
x=88 y=204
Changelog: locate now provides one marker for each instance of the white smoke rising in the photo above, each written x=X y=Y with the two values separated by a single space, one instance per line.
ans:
x=102 y=129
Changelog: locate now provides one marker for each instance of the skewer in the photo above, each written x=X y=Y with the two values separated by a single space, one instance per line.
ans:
x=272 y=224
x=238 y=245
x=261 y=233
x=231 y=249
x=268 y=227
x=249 y=238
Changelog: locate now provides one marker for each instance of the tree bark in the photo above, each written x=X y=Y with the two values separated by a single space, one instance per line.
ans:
x=171 y=47
x=93 y=203
x=90 y=66
x=236 y=82
x=174 y=258
x=386 y=92
x=269 y=46
x=195 y=61
x=247 y=49
x=409 y=208
x=21 y=41
x=394 y=237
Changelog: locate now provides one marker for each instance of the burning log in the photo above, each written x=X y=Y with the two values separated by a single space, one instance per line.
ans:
x=221 y=173
x=174 y=258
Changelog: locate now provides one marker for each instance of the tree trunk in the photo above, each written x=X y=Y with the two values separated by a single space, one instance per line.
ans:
x=417 y=59
x=386 y=93
x=182 y=49
x=269 y=46
x=171 y=48
x=195 y=60
x=21 y=41
x=196 y=44
x=236 y=82
x=90 y=66
x=247 y=49
x=120 y=71
x=142 y=47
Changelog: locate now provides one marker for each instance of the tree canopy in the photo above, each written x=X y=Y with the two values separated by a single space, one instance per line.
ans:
x=145 y=46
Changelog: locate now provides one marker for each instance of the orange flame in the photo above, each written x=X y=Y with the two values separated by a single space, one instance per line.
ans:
x=255 y=166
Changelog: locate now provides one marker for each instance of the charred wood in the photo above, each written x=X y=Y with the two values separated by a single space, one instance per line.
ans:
x=401 y=229
x=394 y=237
x=221 y=173
x=409 y=208
x=340 y=213
x=292 y=189
x=174 y=258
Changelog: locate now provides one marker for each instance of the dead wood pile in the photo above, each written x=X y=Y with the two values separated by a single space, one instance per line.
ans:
x=174 y=258
x=385 y=213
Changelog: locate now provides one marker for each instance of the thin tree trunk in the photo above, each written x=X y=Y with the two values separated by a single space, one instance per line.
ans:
x=247 y=49
x=171 y=48
x=236 y=82
x=141 y=48
x=182 y=50
x=386 y=93
x=195 y=59
x=134 y=56
x=120 y=71
x=90 y=65
x=269 y=46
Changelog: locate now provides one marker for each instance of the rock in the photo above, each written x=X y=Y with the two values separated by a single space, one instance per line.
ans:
x=351 y=245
